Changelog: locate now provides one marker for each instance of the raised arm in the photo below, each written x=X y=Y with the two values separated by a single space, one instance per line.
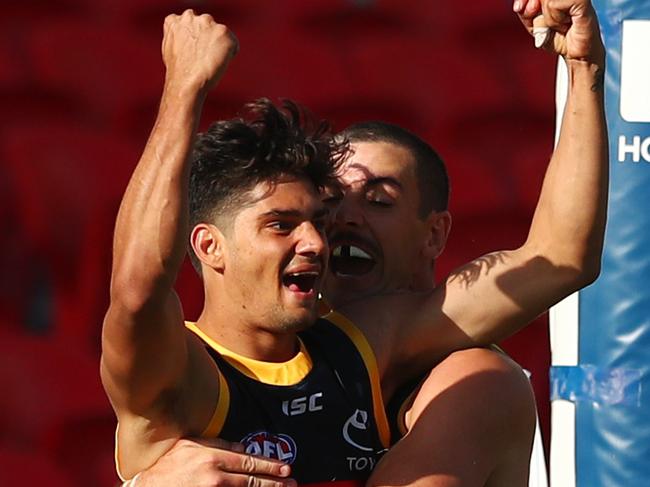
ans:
x=145 y=352
x=497 y=294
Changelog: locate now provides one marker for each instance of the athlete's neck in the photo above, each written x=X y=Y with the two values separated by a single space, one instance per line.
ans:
x=250 y=341
x=256 y=339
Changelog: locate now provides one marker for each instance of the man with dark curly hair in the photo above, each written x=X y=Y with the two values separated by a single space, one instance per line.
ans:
x=257 y=359
x=393 y=325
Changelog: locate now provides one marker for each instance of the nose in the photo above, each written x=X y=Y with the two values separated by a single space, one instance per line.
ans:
x=348 y=212
x=311 y=241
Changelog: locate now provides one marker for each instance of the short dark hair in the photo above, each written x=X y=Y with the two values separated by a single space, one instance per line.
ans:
x=430 y=170
x=265 y=143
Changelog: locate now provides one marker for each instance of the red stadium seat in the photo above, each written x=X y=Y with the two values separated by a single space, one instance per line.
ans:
x=14 y=260
x=346 y=111
x=24 y=104
x=526 y=74
x=30 y=468
x=148 y=15
x=50 y=382
x=12 y=73
x=68 y=181
x=282 y=67
x=477 y=185
x=514 y=144
x=190 y=290
x=31 y=10
x=349 y=20
x=94 y=464
x=107 y=69
x=459 y=17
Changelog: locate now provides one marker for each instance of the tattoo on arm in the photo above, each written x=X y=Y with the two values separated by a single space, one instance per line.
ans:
x=470 y=273
x=599 y=81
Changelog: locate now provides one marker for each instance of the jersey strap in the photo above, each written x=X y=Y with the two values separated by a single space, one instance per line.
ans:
x=361 y=344
x=223 y=402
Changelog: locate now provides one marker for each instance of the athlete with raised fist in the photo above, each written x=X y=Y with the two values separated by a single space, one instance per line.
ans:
x=470 y=421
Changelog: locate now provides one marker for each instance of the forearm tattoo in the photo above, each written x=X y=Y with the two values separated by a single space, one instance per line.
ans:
x=599 y=81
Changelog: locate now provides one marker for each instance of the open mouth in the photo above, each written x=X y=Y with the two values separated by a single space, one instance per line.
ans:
x=349 y=260
x=301 y=282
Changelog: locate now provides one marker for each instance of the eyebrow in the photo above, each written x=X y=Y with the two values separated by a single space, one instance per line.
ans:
x=275 y=212
x=379 y=180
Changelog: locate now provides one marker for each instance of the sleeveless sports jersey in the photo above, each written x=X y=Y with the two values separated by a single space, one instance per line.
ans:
x=327 y=421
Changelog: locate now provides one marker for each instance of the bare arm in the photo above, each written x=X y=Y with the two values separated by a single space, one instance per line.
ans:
x=485 y=437
x=497 y=294
x=145 y=352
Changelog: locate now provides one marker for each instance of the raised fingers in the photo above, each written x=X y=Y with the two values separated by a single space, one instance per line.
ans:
x=556 y=15
x=527 y=10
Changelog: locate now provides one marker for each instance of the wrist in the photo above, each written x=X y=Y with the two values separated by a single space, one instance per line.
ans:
x=183 y=92
x=592 y=57
x=586 y=72
x=595 y=59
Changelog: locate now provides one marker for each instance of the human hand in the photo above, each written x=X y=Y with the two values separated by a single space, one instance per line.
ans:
x=196 y=50
x=203 y=463
x=573 y=28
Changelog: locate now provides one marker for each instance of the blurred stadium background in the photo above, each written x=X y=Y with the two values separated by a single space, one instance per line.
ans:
x=79 y=84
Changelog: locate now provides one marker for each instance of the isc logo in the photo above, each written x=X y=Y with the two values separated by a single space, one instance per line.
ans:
x=301 y=405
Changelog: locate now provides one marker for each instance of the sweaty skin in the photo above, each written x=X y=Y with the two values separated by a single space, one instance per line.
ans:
x=484 y=399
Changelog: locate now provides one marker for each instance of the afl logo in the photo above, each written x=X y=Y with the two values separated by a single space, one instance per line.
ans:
x=281 y=447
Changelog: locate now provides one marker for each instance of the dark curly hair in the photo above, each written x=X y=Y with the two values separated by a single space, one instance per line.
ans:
x=265 y=143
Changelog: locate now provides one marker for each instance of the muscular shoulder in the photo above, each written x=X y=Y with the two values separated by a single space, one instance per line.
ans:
x=464 y=364
x=483 y=374
x=476 y=411
x=489 y=391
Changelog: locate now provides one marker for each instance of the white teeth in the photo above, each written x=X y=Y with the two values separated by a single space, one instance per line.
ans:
x=357 y=252
x=350 y=251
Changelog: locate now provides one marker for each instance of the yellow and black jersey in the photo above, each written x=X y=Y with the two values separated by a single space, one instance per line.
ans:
x=321 y=412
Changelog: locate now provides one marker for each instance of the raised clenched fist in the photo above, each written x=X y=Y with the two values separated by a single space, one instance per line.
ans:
x=573 y=27
x=196 y=50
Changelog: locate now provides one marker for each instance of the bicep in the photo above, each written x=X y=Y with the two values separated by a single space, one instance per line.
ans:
x=478 y=304
x=144 y=352
x=161 y=383
x=495 y=295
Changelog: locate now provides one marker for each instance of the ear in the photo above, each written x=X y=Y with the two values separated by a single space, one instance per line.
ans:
x=439 y=225
x=208 y=244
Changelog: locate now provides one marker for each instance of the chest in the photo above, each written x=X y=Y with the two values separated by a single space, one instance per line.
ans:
x=324 y=426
